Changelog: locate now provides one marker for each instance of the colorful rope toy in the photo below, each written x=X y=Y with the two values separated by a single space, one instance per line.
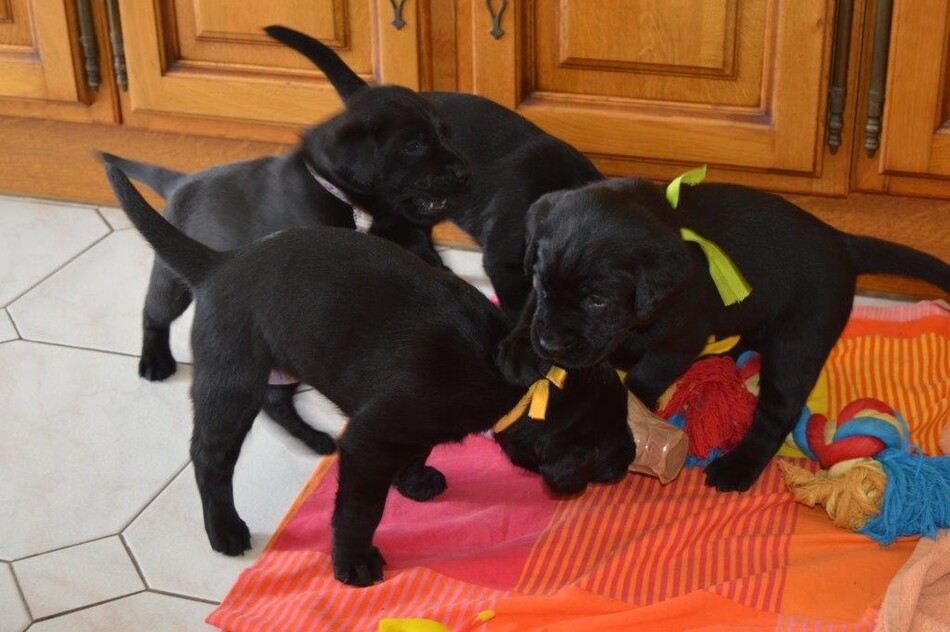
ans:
x=872 y=480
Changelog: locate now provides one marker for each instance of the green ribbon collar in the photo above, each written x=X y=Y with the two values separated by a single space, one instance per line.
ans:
x=730 y=283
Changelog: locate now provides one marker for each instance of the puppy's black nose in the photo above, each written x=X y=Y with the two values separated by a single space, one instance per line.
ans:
x=554 y=345
x=458 y=173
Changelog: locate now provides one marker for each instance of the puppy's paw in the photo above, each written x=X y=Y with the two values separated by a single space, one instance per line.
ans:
x=230 y=537
x=421 y=485
x=735 y=471
x=156 y=364
x=358 y=569
x=517 y=361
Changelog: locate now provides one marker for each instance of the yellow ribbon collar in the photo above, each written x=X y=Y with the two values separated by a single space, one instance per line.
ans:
x=535 y=401
x=730 y=283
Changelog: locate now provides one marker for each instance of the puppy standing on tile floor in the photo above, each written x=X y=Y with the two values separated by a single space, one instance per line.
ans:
x=404 y=349
x=614 y=279
x=513 y=163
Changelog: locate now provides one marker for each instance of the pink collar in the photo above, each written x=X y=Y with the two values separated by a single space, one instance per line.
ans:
x=362 y=219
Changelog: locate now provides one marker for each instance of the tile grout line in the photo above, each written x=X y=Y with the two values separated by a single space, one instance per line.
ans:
x=63 y=548
x=88 y=606
x=26 y=604
x=168 y=593
x=154 y=497
x=65 y=345
x=135 y=562
x=55 y=271
x=19 y=335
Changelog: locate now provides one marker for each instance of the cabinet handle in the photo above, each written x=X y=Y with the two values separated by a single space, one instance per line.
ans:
x=496 y=30
x=398 y=22
x=118 y=47
x=87 y=41
x=882 y=37
x=838 y=85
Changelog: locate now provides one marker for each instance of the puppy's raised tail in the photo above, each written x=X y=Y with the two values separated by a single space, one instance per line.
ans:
x=877 y=256
x=344 y=80
x=159 y=179
x=186 y=257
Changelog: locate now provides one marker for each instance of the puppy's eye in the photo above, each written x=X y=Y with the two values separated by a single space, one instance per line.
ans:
x=414 y=147
x=596 y=301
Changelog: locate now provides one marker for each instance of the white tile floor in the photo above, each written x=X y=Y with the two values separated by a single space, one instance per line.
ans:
x=100 y=524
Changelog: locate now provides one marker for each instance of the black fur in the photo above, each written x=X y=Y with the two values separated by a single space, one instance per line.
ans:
x=615 y=281
x=386 y=151
x=404 y=349
x=513 y=163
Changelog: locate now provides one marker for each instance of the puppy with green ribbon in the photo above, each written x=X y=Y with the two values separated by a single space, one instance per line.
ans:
x=650 y=277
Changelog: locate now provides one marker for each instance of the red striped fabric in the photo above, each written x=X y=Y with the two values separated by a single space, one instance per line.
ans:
x=636 y=555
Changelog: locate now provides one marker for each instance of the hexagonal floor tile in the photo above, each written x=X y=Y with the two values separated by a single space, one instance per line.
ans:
x=77 y=576
x=7 y=332
x=36 y=238
x=168 y=539
x=96 y=301
x=144 y=611
x=13 y=614
x=85 y=443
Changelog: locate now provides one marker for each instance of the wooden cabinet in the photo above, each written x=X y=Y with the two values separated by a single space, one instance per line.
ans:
x=196 y=63
x=736 y=84
x=914 y=156
x=42 y=74
x=646 y=87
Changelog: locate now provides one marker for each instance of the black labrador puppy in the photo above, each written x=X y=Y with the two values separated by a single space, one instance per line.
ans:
x=404 y=349
x=513 y=163
x=615 y=281
x=385 y=154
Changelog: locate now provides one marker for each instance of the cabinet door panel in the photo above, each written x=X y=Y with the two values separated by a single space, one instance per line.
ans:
x=738 y=83
x=916 y=131
x=210 y=60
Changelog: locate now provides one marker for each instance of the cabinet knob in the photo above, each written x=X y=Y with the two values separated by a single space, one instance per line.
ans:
x=87 y=42
x=838 y=83
x=397 y=22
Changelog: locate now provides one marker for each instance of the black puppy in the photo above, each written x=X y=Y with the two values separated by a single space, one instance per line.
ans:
x=513 y=163
x=614 y=280
x=385 y=154
x=404 y=349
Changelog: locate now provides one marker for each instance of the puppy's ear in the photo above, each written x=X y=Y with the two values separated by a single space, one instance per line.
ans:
x=659 y=274
x=344 y=148
x=534 y=220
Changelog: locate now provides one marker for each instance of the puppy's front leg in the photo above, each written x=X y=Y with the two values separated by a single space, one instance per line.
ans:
x=653 y=374
x=367 y=469
x=515 y=356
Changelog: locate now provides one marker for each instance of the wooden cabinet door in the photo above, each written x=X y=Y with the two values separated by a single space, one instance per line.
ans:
x=41 y=73
x=733 y=83
x=210 y=60
x=916 y=131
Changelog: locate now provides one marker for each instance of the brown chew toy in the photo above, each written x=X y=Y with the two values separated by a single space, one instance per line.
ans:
x=661 y=446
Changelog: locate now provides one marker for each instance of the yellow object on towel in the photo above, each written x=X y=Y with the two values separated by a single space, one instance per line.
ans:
x=411 y=625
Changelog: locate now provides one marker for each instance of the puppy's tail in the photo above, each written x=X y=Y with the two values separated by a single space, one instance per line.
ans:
x=159 y=179
x=185 y=256
x=877 y=256
x=344 y=80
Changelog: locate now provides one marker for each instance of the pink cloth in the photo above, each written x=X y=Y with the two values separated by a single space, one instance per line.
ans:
x=918 y=598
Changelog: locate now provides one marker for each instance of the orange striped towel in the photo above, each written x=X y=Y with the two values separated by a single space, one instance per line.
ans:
x=632 y=554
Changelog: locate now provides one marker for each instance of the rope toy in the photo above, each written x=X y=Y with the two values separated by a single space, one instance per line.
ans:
x=872 y=480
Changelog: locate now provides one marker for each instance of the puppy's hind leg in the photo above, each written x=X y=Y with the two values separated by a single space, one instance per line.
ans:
x=418 y=481
x=165 y=301
x=792 y=358
x=279 y=406
x=224 y=413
